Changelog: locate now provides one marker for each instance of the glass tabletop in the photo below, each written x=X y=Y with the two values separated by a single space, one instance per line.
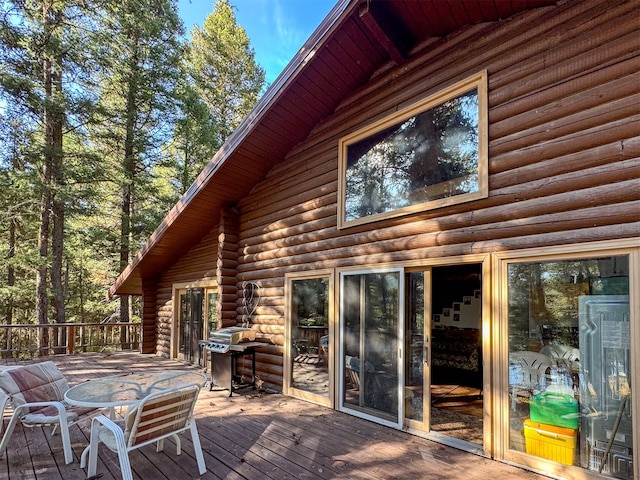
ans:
x=128 y=389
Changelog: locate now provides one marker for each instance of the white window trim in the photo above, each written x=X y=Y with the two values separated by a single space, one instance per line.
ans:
x=341 y=367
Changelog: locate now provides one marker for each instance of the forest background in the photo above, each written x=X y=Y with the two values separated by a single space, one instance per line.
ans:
x=108 y=112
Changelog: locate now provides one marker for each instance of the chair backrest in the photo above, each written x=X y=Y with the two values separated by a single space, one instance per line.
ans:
x=563 y=354
x=353 y=363
x=530 y=367
x=38 y=382
x=161 y=414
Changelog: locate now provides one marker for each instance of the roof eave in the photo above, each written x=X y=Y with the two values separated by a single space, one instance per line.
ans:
x=129 y=282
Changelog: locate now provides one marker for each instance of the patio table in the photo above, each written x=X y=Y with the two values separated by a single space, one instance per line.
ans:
x=128 y=389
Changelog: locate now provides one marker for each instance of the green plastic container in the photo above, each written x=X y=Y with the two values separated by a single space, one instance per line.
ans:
x=558 y=409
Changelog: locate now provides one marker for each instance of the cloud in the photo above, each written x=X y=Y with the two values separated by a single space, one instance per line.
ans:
x=290 y=33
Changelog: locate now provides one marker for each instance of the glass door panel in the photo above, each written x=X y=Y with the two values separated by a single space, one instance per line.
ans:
x=309 y=336
x=371 y=336
x=190 y=325
x=211 y=311
x=570 y=363
x=416 y=398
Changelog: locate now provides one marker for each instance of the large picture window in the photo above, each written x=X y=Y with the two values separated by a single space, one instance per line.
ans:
x=426 y=156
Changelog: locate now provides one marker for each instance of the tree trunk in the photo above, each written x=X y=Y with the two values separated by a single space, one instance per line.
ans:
x=57 y=206
x=129 y=170
x=42 y=301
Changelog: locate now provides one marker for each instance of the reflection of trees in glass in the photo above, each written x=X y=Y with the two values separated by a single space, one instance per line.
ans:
x=416 y=306
x=546 y=293
x=212 y=310
x=429 y=156
x=312 y=296
x=382 y=301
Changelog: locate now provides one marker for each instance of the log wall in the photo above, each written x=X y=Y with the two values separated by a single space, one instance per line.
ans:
x=149 y=324
x=226 y=265
x=564 y=157
x=564 y=166
x=199 y=264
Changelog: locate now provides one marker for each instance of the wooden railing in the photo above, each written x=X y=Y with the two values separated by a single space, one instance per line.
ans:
x=26 y=340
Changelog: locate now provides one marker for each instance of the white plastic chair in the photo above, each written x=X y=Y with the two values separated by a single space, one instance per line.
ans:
x=4 y=400
x=563 y=355
x=158 y=416
x=526 y=373
x=36 y=393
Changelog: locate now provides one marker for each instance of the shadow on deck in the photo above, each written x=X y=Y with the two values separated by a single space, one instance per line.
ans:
x=248 y=436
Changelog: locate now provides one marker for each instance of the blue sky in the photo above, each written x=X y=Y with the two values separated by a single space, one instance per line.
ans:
x=277 y=28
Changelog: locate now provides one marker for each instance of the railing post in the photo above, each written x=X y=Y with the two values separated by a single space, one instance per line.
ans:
x=71 y=339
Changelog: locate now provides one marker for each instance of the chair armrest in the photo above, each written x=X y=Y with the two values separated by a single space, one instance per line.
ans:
x=106 y=421
x=27 y=406
x=101 y=422
x=24 y=411
x=4 y=400
x=50 y=403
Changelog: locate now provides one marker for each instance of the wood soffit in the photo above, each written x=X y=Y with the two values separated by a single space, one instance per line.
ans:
x=356 y=40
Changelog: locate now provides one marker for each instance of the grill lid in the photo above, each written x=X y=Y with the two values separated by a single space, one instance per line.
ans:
x=232 y=335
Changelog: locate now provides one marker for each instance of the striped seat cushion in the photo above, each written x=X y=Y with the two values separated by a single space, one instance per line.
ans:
x=39 y=382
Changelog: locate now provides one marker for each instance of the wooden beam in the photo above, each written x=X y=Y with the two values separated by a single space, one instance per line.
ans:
x=380 y=35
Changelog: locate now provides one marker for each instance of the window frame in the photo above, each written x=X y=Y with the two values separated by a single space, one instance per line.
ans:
x=499 y=369
x=208 y=286
x=391 y=420
x=477 y=81
x=287 y=388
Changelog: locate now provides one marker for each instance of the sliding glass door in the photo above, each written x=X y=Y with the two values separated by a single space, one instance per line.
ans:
x=417 y=401
x=371 y=336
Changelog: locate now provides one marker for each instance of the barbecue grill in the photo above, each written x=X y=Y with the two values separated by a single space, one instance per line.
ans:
x=226 y=346
x=220 y=341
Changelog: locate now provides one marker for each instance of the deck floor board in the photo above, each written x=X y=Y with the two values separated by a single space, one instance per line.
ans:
x=247 y=436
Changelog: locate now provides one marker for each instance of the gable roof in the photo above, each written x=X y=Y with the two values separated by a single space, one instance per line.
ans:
x=357 y=40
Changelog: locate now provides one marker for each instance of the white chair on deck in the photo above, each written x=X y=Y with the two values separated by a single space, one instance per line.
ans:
x=36 y=393
x=158 y=416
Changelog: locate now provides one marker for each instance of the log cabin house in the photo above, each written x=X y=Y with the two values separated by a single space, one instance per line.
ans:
x=431 y=220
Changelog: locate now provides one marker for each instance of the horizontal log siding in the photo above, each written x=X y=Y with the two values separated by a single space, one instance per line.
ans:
x=564 y=157
x=148 y=330
x=226 y=264
x=199 y=263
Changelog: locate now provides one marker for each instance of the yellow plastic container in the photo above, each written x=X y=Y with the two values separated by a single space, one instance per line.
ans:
x=550 y=442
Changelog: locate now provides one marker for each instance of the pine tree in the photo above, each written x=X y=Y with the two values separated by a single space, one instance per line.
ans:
x=44 y=58
x=137 y=92
x=222 y=67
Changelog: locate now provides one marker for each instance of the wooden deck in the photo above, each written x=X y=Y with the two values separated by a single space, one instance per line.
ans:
x=249 y=436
